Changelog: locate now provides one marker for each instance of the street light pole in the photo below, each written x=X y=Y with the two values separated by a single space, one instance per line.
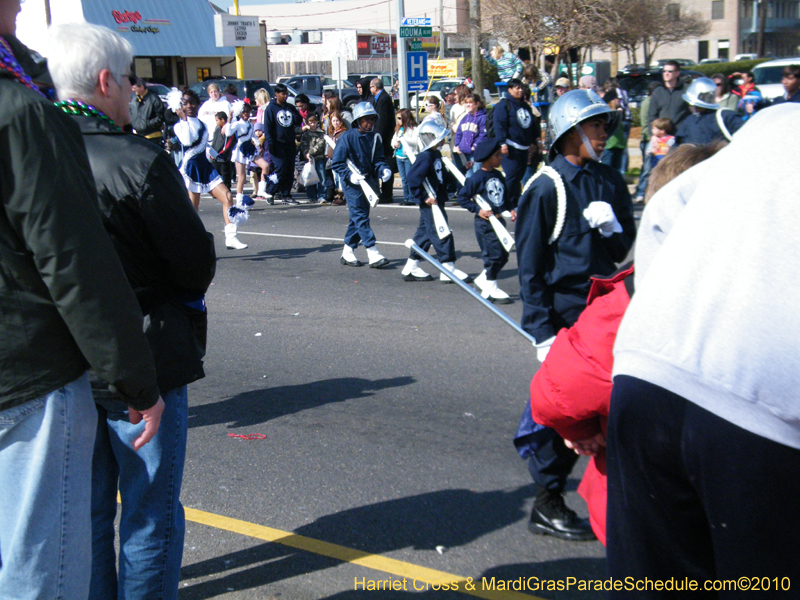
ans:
x=401 y=57
x=475 y=45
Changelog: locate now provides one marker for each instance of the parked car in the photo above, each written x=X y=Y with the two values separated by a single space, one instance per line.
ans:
x=683 y=62
x=745 y=56
x=316 y=84
x=435 y=89
x=160 y=90
x=711 y=61
x=387 y=78
x=768 y=76
x=636 y=83
x=245 y=88
x=312 y=98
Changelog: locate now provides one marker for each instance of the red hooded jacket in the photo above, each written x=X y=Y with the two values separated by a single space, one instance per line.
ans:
x=572 y=389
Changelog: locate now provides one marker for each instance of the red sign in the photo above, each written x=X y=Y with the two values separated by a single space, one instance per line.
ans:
x=126 y=17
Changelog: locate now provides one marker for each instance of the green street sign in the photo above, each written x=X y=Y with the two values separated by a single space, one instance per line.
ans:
x=415 y=45
x=416 y=32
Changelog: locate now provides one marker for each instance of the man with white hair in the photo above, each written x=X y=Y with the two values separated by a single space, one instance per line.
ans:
x=169 y=259
x=66 y=306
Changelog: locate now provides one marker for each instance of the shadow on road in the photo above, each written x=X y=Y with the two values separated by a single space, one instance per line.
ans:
x=449 y=518
x=260 y=406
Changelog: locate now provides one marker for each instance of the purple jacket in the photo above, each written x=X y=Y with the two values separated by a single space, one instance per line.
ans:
x=471 y=131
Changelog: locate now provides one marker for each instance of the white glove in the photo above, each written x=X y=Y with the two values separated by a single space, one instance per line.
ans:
x=601 y=216
x=483 y=52
x=542 y=348
x=357 y=178
x=211 y=154
x=386 y=174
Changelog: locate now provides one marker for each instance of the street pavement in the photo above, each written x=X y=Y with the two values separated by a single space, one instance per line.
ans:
x=383 y=413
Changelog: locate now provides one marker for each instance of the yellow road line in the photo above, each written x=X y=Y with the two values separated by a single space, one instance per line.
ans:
x=377 y=562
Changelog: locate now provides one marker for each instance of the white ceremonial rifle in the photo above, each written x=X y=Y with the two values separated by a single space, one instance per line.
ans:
x=330 y=141
x=502 y=233
x=442 y=229
x=445 y=271
x=372 y=197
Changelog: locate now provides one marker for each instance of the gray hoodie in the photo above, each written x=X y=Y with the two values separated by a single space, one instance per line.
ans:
x=715 y=316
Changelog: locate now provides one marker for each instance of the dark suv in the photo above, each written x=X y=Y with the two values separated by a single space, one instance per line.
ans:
x=245 y=88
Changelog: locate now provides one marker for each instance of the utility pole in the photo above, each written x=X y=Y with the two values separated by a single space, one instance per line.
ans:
x=401 y=56
x=441 y=29
x=239 y=55
x=475 y=44
x=48 y=17
x=762 y=22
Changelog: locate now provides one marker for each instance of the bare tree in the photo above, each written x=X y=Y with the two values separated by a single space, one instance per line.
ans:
x=650 y=24
x=549 y=26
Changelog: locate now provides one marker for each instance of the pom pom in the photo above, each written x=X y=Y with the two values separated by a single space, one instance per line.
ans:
x=174 y=98
x=237 y=107
x=247 y=201
x=237 y=216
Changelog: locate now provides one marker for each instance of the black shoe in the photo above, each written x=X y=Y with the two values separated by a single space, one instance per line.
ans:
x=386 y=200
x=379 y=264
x=550 y=516
x=412 y=277
x=287 y=199
x=407 y=203
x=347 y=263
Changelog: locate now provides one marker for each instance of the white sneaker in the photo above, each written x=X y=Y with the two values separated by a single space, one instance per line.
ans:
x=376 y=259
x=412 y=272
x=494 y=294
x=452 y=268
x=231 y=241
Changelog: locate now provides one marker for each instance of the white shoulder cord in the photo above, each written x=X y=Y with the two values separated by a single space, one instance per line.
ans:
x=721 y=124
x=561 y=196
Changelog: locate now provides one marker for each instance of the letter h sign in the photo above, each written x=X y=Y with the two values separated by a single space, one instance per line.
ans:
x=417 y=66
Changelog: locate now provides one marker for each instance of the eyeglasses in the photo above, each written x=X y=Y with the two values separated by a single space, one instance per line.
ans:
x=429 y=104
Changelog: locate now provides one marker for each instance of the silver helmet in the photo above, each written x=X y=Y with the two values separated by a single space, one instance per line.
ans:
x=702 y=92
x=364 y=109
x=430 y=134
x=575 y=107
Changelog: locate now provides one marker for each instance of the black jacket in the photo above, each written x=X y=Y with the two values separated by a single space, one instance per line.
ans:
x=384 y=106
x=165 y=250
x=64 y=299
x=147 y=114
x=669 y=104
x=281 y=124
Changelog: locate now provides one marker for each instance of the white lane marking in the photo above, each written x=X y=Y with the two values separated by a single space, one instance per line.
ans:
x=309 y=237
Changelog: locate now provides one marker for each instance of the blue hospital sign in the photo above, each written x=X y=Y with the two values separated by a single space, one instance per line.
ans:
x=417 y=66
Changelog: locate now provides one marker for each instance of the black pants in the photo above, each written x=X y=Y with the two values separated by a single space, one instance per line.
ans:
x=283 y=170
x=514 y=166
x=692 y=495
x=426 y=236
x=226 y=171
x=494 y=255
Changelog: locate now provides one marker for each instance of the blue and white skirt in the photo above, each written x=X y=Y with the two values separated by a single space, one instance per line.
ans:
x=200 y=176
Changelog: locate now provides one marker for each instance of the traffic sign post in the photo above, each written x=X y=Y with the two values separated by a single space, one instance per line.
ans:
x=415 y=22
x=415 y=45
x=417 y=86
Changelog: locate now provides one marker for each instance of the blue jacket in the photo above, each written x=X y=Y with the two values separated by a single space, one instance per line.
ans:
x=471 y=131
x=565 y=266
x=365 y=150
x=704 y=129
x=491 y=185
x=279 y=128
x=428 y=165
x=513 y=120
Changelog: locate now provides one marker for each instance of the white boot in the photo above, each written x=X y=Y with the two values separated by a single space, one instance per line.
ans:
x=452 y=268
x=230 y=238
x=238 y=200
x=495 y=294
x=376 y=259
x=480 y=280
x=349 y=257
x=262 y=189
x=412 y=272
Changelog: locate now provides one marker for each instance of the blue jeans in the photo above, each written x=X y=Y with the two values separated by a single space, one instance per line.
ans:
x=152 y=525
x=644 y=177
x=317 y=191
x=45 y=525
x=403 y=165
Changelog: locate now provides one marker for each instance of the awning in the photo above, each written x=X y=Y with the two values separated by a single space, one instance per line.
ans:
x=159 y=27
